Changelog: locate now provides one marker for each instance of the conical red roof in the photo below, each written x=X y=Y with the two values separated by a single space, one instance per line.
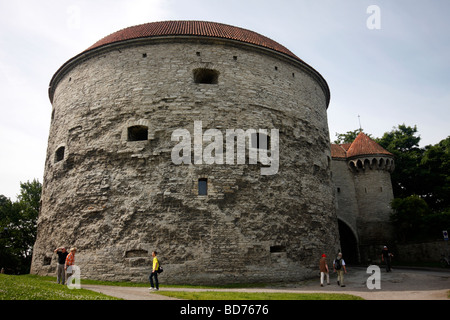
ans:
x=363 y=145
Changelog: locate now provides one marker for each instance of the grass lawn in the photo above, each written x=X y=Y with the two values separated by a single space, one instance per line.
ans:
x=33 y=287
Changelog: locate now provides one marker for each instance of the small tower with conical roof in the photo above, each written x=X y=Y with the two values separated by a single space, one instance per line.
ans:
x=362 y=176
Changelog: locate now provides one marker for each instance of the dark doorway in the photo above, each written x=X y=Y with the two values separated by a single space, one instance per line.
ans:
x=349 y=244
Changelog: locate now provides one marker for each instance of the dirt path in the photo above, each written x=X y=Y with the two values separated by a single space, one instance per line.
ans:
x=401 y=284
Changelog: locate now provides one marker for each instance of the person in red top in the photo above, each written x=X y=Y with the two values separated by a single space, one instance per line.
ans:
x=323 y=267
x=70 y=261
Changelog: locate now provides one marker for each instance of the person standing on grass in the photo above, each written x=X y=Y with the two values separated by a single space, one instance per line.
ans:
x=60 y=272
x=70 y=261
x=323 y=267
x=154 y=273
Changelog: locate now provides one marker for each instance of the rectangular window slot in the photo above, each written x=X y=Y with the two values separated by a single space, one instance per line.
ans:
x=202 y=187
x=59 y=154
x=260 y=141
x=276 y=249
x=207 y=76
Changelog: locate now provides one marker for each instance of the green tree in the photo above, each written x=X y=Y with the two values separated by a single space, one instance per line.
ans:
x=403 y=143
x=18 y=227
x=435 y=168
x=408 y=217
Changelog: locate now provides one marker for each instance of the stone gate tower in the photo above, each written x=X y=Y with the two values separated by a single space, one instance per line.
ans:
x=362 y=175
x=112 y=189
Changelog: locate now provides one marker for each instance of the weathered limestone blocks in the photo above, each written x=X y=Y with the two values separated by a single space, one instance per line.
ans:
x=116 y=194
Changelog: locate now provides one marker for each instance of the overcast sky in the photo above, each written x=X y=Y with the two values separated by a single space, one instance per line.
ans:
x=389 y=66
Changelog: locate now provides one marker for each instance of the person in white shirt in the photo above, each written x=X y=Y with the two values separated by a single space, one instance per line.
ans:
x=339 y=267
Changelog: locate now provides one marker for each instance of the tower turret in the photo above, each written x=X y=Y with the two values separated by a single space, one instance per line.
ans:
x=362 y=176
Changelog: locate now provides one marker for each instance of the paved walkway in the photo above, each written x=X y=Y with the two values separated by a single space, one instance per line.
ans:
x=400 y=284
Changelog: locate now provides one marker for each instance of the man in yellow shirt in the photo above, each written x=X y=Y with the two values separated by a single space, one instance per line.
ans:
x=154 y=273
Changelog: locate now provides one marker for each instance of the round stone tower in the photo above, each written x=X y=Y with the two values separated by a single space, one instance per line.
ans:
x=205 y=142
x=371 y=166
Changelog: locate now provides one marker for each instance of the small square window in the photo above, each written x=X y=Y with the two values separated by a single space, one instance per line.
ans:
x=137 y=133
x=202 y=187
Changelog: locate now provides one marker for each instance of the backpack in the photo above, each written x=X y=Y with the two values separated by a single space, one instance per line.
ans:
x=160 y=269
x=337 y=264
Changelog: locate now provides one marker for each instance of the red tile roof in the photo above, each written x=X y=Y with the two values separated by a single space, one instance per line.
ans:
x=337 y=151
x=185 y=29
x=362 y=145
x=192 y=28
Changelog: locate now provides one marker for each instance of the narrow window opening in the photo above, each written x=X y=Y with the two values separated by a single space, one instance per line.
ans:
x=59 y=154
x=208 y=76
x=202 y=187
x=198 y=54
x=260 y=141
x=275 y=249
x=276 y=68
x=137 y=133
x=234 y=58
x=339 y=190
x=144 y=55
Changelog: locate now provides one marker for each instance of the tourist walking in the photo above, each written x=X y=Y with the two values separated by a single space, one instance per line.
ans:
x=339 y=267
x=154 y=273
x=60 y=272
x=323 y=267
x=386 y=256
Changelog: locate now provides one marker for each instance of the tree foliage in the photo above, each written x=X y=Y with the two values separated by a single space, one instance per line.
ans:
x=18 y=228
x=435 y=169
x=408 y=216
x=403 y=143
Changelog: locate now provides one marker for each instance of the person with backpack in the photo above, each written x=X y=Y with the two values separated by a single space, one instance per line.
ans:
x=154 y=273
x=339 y=267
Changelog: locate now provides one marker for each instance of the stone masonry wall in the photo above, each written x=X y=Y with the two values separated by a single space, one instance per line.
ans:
x=118 y=200
x=374 y=194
